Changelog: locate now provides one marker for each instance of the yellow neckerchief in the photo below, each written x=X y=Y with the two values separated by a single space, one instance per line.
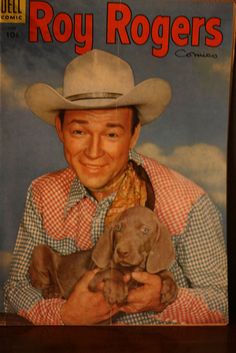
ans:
x=131 y=192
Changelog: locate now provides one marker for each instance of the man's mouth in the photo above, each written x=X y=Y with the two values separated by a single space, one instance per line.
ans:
x=93 y=167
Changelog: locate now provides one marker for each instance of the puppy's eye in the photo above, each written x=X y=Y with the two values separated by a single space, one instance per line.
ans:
x=145 y=230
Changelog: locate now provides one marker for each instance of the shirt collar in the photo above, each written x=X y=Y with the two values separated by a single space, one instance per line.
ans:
x=78 y=191
x=136 y=157
x=76 y=194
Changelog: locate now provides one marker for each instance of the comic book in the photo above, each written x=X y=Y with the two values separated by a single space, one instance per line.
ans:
x=90 y=68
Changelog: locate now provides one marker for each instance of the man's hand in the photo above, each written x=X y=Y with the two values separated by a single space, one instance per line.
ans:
x=144 y=298
x=84 y=307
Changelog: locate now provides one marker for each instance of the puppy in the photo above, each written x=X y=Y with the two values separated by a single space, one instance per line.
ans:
x=135 y=241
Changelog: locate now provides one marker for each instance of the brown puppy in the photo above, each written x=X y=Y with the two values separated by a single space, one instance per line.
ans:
x=136 y=241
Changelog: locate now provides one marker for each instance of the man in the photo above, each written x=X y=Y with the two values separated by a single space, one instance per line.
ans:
x=98 y=120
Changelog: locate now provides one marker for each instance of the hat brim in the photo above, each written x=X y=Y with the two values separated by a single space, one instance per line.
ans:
x=150 y=98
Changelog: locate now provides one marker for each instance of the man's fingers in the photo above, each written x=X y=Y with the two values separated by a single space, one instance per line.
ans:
x=114 y=310
x=130 y=308
x=87 y=277
x=127 y=277
x=100 y=286
x=135 y=295
x=90 y=274
x=145 y=278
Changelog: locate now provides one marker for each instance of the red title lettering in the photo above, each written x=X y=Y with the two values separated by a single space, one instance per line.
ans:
x=43 y=23
x=123 y=27
x=162 y=30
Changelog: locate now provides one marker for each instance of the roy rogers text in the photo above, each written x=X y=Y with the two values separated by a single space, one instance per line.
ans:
x=122 y=27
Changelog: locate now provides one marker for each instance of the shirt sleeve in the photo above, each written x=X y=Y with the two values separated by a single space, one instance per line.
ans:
x=19 y=296
x=201 y=254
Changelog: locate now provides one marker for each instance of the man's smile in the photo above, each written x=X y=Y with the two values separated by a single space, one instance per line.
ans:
x=93 y=166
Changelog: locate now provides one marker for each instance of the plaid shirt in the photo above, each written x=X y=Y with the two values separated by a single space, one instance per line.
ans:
x=59 y=212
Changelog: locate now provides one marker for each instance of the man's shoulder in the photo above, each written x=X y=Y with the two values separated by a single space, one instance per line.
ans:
x=50 y=191
x=175 y=195
x=167 y=178
x=61 y=177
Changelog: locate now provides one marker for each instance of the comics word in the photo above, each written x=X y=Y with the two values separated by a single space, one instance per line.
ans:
x=182 y=53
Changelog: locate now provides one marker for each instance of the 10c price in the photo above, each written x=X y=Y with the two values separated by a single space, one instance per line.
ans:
x=12 y=35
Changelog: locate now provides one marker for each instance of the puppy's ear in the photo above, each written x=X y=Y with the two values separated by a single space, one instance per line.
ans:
x=103 y=251
x=43 y=266
x=162 y=252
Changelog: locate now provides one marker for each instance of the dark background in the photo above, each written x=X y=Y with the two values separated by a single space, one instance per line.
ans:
x=231 y=197
x=144 y=339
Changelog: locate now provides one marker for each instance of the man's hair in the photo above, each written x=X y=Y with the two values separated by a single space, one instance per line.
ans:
x=135 y=119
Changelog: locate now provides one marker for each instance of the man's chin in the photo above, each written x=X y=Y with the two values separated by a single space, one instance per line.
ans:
x=94 y=186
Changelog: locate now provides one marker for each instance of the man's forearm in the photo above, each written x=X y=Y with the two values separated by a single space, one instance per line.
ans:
x=190 y=308
x=45 y=312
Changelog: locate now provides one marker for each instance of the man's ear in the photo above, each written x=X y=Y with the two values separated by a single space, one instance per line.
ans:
x=135 y=136
x=58 y=127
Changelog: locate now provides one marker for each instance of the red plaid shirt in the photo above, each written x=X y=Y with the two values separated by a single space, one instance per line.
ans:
x=61 y=214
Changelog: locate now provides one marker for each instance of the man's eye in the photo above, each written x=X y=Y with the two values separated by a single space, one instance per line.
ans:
x=112 y=135
x=78 y=132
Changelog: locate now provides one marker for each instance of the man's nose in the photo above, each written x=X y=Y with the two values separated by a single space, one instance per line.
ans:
x=94 y=147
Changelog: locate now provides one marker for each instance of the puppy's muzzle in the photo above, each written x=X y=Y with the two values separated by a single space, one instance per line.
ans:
x=127 y=255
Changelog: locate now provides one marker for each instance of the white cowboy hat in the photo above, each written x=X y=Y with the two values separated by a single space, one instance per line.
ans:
x=96 y=80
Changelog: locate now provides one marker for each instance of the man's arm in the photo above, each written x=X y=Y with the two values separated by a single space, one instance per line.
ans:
x=201 y=253
x=22 y=298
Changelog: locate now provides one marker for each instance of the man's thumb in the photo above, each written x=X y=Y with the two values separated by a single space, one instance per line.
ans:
x=144 y=277
x=87 y=277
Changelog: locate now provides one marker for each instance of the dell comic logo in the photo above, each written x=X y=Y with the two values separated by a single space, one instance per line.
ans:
x=12 y=11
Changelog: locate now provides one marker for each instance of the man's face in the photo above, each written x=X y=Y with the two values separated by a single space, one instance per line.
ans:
x=96 y=144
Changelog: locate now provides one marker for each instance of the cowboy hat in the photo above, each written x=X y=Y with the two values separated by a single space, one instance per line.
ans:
x=96 y=80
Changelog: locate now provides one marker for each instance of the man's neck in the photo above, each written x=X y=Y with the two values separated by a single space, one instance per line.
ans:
x=108 y=189
x=99 y=195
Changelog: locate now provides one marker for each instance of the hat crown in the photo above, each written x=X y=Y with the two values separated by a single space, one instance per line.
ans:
x=99 y=80
x=96 y=72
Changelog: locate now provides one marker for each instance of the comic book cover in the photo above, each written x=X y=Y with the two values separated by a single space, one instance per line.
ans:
x=114 y=122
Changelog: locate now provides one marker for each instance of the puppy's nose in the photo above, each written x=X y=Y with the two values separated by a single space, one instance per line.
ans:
x=122 y=252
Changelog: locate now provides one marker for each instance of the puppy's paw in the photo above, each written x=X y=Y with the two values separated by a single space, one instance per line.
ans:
x=115 y=292
x=169 y=291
